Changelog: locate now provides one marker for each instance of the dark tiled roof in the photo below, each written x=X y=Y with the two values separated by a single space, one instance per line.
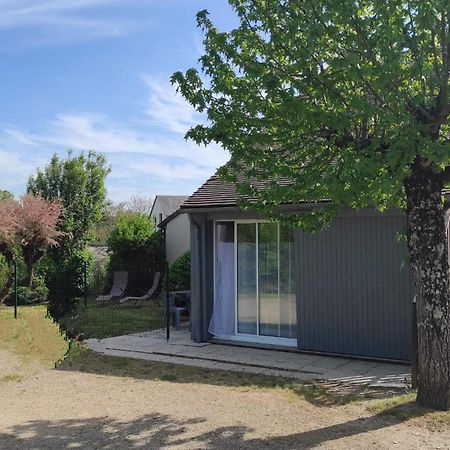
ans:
x=211 y=194
x=215 y=193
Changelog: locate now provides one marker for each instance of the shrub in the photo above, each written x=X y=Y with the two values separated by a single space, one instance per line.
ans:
x=131 y=233
x=5 y=275
x=65 y=281
x=180 y=273
x=134 y=246
x=30 y=296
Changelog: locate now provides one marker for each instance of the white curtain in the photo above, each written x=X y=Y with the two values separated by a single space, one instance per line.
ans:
x=223 y=316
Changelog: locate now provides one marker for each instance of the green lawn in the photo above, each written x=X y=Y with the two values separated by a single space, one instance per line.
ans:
x=102 y=321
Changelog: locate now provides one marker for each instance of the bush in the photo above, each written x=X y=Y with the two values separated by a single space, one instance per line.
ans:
x=134 y=246
x=5 y=274
x=65 y=281
x=131 y=233
x=30 y=296
x=180 y=273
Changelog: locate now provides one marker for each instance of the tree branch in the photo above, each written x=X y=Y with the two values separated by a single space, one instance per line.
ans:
x=283 y=70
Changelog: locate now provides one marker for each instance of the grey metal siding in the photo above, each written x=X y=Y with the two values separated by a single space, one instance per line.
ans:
x=202 y=276
x=209 y=275
x=354 y=288
x=196 y=278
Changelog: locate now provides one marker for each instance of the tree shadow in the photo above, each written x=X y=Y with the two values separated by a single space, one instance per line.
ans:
x=156 y=431
x=316 y=393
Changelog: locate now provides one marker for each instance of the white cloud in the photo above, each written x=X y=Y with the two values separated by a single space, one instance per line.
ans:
x=15 y=170
x=31 y=12
x=151 y=150
x=20 y=137
x=169 y=110
x=59 y=21
x=98 y=132
x=168 y=171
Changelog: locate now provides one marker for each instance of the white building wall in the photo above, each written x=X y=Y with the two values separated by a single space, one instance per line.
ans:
x=177 y=237
x=177 y=230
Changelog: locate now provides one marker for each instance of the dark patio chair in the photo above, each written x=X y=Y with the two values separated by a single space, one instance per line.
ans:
x=174 y=311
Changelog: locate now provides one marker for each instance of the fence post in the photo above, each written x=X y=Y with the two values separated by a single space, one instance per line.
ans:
x=85 y=283
x=167 y=303
x=98 y=279
x=15 y=289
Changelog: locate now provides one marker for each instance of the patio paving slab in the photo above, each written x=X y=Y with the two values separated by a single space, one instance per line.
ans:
x=289 y=364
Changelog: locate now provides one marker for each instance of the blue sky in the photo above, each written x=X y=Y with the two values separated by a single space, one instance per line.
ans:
x=94 y=74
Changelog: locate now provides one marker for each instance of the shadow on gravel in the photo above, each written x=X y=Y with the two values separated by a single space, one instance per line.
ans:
x=156 y=431
x=317 y=393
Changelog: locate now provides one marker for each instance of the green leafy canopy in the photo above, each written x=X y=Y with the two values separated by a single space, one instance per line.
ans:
x=338 y=97
x=79 y=182
x=132 y=231
x=135 y=246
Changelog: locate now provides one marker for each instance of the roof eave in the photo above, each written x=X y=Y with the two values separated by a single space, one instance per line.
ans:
x=168 y=219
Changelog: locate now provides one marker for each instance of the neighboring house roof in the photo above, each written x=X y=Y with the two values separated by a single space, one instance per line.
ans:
x=168 y=203
x=216 y=193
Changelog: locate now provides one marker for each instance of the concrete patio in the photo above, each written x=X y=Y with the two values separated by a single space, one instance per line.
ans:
x=180 y=349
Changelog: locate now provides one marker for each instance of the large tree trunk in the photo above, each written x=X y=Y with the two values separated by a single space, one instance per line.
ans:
x=30 y=275
x=428 y=249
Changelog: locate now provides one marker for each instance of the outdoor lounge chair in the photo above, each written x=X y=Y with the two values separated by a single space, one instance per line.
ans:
x=150 y=294
x=120 y=281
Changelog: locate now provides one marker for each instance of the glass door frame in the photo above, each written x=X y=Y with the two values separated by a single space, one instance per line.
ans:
x=256 y=338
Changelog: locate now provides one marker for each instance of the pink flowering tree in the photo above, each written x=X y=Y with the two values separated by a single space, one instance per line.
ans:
x=31 y=224
x=8 y=247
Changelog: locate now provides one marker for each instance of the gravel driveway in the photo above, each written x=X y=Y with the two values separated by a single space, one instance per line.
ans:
x=56 y=409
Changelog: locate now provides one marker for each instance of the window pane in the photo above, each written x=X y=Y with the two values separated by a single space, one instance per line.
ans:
x=288 y=311
x=246 y=278
x=268 y=279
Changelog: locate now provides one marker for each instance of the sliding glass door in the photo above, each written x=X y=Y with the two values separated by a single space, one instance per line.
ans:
x=265 y=296
x=247 y=283
x=288 y=303
x=268 y=277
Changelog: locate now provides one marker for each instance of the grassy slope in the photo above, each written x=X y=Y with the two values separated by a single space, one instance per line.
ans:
x=31 y=337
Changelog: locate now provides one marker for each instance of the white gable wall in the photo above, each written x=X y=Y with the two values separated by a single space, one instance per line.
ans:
x=177 y=230
x=177 y=237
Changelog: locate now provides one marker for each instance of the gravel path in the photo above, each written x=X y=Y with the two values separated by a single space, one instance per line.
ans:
x=55 y=409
